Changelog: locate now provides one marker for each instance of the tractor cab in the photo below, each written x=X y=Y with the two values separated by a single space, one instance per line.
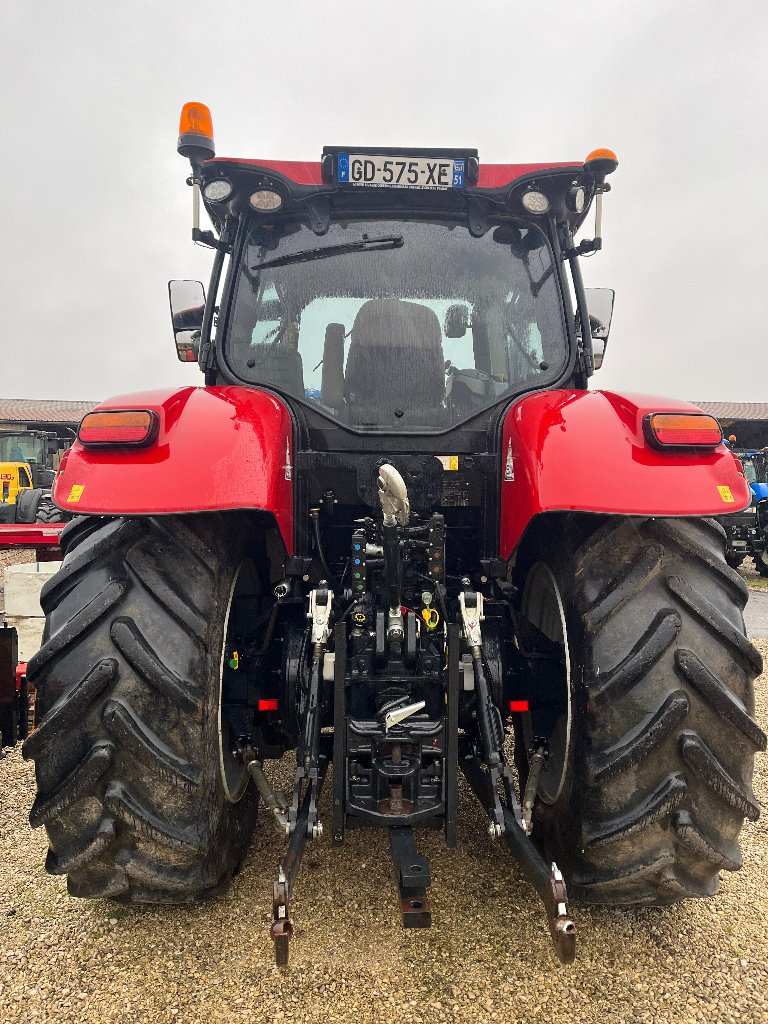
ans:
x=40 y=450
x=395 y=292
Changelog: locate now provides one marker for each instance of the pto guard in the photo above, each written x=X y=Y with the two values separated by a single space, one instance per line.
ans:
x=585 y=451
x=217 y=448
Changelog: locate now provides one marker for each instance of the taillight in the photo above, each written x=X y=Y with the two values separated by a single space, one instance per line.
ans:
x=518 y=705
x=687 y=429
x=135 y=427
x=267 y=704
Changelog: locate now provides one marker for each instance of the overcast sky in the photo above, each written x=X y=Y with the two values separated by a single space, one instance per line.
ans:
x=96 y=216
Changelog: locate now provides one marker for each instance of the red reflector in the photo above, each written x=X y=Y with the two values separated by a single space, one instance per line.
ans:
x=684 y=429
x=267 y=705
x=126 y=427
x=518 y=705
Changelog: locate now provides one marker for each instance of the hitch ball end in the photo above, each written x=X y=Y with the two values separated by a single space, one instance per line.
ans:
x=393 y=495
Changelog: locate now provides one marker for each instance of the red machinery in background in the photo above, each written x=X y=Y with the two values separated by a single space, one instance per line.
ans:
x=16 y=716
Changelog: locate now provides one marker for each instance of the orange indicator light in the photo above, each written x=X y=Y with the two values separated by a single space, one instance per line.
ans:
x=691 y=429
x=133 y=427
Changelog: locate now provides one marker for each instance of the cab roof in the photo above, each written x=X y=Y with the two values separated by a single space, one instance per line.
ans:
x=307 y=186
x=309 y=172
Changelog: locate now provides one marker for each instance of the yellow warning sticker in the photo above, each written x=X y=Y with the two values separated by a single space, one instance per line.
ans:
x=77 y=492
x=725 y=493
x=450 y=462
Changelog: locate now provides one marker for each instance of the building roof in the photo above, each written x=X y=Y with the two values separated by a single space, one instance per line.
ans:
x=736 y=410
x=41 y=410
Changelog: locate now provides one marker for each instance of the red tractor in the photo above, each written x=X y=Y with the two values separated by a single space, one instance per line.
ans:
x=396 y=532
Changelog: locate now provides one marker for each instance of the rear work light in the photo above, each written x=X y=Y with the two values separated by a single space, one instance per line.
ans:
x=688 y=429
x=135 y=427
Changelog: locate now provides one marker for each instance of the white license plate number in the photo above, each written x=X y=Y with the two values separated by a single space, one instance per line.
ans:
x=380 y=171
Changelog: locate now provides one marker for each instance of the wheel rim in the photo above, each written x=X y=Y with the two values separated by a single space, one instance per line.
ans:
x=234 y=775
x=543 y=606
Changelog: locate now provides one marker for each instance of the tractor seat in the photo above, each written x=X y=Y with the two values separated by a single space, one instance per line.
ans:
x=395 y=359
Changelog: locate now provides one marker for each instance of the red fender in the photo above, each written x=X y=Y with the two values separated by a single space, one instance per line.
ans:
x=217 y=448
x=585 y=451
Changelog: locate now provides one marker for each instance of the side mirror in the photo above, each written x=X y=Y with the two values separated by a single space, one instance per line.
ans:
x=187 y=300
x=600 y=305
x=456 y=321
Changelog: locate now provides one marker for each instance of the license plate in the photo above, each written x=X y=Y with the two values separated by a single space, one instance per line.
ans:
x=399 y=171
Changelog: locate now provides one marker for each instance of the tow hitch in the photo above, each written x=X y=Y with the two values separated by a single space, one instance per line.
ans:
x=416 y=696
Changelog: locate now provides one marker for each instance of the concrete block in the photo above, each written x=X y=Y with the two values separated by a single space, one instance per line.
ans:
x=23 y=584
x=30 y=632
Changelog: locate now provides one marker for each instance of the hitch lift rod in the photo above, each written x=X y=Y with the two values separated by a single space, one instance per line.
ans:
x=546 y=880
x=282 y=927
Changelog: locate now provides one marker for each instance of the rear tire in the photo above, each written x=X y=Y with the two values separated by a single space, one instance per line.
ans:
x=656 y=778
x=127 y=760
x=47 y=512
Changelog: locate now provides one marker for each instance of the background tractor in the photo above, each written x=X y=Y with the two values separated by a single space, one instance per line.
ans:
x=747 y=531
x=28 y=463
x=382 y=535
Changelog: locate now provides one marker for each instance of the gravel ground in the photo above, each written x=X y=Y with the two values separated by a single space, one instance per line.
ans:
x=754 y=580
x=488 y=952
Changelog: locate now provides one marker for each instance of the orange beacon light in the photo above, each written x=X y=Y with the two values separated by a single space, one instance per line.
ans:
x=196 y=133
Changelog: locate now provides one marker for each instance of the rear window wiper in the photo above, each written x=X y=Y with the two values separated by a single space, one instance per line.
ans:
x=360 y=245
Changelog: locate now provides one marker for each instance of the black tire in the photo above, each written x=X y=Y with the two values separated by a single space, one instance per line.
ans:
x=27 y=503
x=733 y=559
x=129 y=781
x=656 y=780
x=47 y=512
x=760 y=565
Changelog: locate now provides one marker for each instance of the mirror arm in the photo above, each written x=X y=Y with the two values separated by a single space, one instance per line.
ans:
x=208 y=238
x=587 y=357
x=584 y=248
x=204 y=238
x=207 y=360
